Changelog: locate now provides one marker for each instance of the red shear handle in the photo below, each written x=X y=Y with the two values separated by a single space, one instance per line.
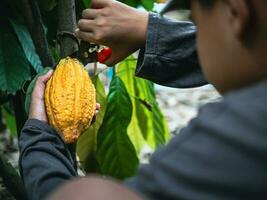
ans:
x=104 y=55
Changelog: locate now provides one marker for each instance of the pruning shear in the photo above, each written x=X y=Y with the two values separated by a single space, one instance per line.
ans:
x=89 y=53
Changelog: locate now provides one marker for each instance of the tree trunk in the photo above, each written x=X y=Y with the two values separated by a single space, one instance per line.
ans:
x=66 y=27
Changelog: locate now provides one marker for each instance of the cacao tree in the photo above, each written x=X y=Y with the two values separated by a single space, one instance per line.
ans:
x=35 y=34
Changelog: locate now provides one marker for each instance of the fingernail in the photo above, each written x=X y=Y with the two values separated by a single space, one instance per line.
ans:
x=50 y=71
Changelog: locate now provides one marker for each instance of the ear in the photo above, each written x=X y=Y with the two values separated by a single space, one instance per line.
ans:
x=238 y=14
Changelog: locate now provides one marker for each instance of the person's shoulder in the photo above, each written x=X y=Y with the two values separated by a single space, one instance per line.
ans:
x=251 y=95
x=240 y=114
x=252 y=98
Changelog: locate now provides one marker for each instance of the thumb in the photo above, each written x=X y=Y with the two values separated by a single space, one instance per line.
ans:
x=43 y=79
x=97 y=4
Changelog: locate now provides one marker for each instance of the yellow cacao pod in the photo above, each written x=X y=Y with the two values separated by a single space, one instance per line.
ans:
x=70 y=99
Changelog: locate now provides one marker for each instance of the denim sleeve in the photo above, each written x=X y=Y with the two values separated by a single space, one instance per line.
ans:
x=45 y=162
x=169 y=57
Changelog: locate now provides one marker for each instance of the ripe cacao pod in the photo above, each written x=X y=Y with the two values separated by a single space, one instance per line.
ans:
x=70 y=99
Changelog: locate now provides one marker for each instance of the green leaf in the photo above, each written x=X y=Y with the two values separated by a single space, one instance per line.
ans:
x=115 y=152
x=14 y=67
x=132 y=3
x=126 y=73
x=87 y=3
x=27 y=45
x=31 y=87
x=157 y=129
x=149 y=117
x=12 y=179
x=148 y=4
x=86 y=145
x=10 y=121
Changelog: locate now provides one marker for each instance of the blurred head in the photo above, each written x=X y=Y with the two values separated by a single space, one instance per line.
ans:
x=231 y=41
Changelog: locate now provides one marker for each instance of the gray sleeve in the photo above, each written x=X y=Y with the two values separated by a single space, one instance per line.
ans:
x=169 y=57
x=45 y=162
x=221 y=155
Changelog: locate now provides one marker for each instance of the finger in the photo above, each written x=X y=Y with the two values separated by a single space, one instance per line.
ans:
x=98 y=106
x=85 y=36
x=40 y=85
x=90 y=13
x=86 y=25
x=47 y=76
x=44 y=78
x=99 y=3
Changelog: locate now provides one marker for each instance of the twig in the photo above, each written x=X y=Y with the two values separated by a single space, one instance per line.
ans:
x=95 y=68
x=101 y=71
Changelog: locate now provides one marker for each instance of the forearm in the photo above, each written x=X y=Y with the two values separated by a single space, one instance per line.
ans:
x=170 y=57
x=45 y=163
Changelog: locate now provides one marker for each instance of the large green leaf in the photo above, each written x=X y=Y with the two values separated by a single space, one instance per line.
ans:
x=149 y=117
x=14 y=67
x=86 y=145
x=157 y=132
x=115 y=152
x=125 y=72
x=27 y=45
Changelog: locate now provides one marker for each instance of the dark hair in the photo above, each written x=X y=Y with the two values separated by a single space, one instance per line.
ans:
x=206 y=3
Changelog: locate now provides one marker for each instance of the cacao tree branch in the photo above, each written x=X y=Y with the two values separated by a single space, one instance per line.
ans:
x=67 y=25
x=33 y=18
x=11 y=179
x=67 y=41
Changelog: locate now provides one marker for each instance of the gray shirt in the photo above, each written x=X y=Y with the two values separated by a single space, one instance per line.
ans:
x=221 y=154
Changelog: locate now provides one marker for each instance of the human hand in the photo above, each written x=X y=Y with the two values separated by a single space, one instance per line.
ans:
x=37 y=108
x=115 y=25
